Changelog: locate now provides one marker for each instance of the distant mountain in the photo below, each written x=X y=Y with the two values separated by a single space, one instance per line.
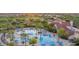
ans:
x=9 y=14
x=17 y=14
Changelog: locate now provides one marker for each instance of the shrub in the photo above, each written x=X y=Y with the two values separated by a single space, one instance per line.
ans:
x=76 y=41
x=10 y=44
x=62 y=33
x=33 y=41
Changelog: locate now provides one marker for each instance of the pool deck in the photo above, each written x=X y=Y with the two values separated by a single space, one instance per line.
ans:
x=67 y=42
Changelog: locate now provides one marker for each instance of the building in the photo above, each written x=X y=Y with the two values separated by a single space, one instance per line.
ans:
x=63 y=24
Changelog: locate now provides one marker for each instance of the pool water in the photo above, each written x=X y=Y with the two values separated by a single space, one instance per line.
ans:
x=48 y=40
x=45 y=39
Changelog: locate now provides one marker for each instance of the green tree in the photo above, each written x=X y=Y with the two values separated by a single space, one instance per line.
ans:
x=76 y=22
x=62 y=33
x=11 y=32
x=33 y=41
x=66 y=17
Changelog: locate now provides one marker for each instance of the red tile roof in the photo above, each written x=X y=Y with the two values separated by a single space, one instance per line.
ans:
x=63 y=24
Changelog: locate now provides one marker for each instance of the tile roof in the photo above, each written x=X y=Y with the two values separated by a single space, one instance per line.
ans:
x=63 y=24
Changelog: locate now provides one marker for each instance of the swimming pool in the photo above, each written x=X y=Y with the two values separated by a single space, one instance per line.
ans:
x=44 y=39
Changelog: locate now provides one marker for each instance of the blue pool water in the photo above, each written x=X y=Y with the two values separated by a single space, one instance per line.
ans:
x=44 y=39
x=47 y=40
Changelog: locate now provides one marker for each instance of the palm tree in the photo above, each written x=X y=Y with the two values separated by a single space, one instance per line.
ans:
x=11 y=32
x=23 y=36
